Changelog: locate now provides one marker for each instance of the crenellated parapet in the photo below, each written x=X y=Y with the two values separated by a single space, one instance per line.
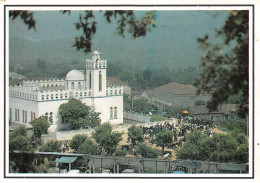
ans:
x=45 y=83
x=113 y=90
x=63 y=94
x=29 y=93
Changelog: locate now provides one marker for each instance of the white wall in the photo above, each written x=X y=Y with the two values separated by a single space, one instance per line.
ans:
x=22 y=104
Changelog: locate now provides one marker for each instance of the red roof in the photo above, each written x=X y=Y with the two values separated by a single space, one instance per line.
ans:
x=177 y=89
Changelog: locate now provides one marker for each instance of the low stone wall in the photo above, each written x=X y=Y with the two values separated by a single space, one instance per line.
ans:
x=133 y=116
x=67 y=135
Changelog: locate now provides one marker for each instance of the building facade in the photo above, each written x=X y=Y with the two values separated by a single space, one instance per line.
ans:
x=35 y=98
x=176 y=94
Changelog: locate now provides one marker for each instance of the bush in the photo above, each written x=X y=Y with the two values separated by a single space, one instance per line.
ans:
x=88 y=147
x=51 y=146
x=120 y=152
x=154 y=118
x=146 y=151
x=19 y=143
x=77 y=140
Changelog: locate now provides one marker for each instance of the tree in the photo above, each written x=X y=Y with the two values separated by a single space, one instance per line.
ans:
x=51 y=146
x=106 y=138
x=164 y=139
x=88 y=147
x=77 y=140
x=19 y=142
x=135 y=133
x=87 y=24
x=18 y=131
x=146 y=151
x=141 y=105
x=225 y=65
x=40 y=126
x=72 y=111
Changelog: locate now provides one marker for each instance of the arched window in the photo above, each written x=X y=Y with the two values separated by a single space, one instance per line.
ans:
x=79 y=85
x=85 y=94
x=72 y=85
x=115 y=113
x=57 y=96
x=115 y=92
x=111 y=112
x=61 y=95
x=47 y=97
x=52 y=96
x=66 y=95
x=42 y=97
x=100 y=81
x=120 y=92
x=81 y=94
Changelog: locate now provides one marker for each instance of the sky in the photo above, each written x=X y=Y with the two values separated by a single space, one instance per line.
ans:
x=172 y=43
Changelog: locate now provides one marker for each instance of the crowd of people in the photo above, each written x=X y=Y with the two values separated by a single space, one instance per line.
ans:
x=185 y=124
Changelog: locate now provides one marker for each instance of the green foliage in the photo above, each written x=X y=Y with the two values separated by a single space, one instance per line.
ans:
x=235 y=127
x=19 y=143
x=77 y=140
x=51 y=146
x=154 y=118
x=18 y=131
x=220 y=147
x=72 y=111
x=26 y=16
x=40 y=126
x=225 y=66
x=164 y=139
x=120 y=152
x=88 y=147
x=141 y=105
x=146 y=151
x=135 y=133
x=106 y=138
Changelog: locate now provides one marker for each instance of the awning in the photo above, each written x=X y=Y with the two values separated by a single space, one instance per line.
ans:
x=65 y=159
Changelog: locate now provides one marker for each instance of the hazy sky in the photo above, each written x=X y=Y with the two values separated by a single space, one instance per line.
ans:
x=173 y=43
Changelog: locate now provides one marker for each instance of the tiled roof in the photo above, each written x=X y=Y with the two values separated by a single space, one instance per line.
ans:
x=224 y=108
x=115 y=81
x=149 y=92
x=176 y=89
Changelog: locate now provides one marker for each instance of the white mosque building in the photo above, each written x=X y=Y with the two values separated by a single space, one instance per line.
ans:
x=35 y=98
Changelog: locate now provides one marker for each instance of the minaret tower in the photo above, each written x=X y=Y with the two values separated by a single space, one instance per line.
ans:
x=96 y=75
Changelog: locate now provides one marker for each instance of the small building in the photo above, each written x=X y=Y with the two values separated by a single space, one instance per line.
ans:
x=175 y=94
x=225 y=112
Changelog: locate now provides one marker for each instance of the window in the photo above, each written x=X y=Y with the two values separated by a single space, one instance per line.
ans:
x=120 y=92
x=24 y=116
x=115 y=92
x=89 y=80
x=61 y=95
x=115 y=113
x=51 y=118
x=72 y=85
x=17 y=117
x=79 y=85
x=57 y=96
x=10 y=117
x=47 y=97
x=111 y=112
x=52 y=96
x=100 y=81
x=85 y=94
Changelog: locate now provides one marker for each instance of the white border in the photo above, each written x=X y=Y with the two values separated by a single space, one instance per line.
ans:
x=147 y=8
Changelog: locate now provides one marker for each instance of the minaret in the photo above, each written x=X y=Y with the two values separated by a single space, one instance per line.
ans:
x=96 y=75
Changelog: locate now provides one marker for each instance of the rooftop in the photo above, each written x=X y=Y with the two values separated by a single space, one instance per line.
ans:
x=176 y=89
